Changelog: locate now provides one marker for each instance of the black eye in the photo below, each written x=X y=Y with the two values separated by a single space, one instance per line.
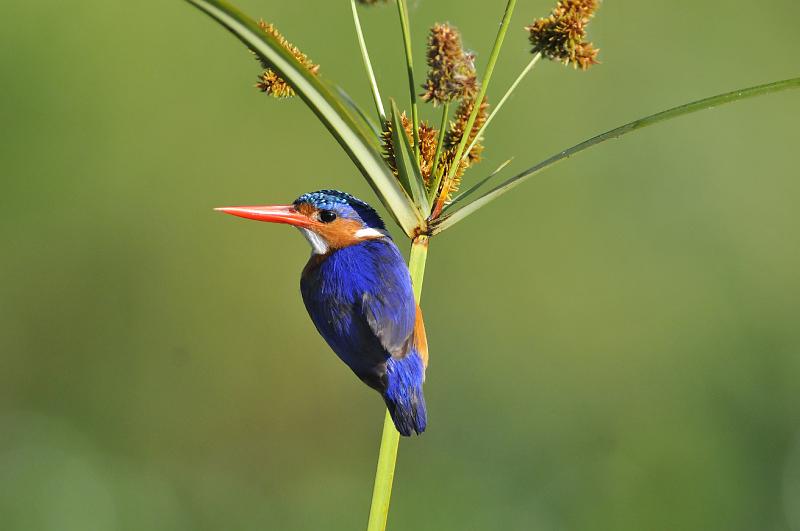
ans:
x=326 y=216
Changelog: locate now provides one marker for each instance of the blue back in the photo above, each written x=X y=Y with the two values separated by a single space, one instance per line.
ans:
x=344 y=291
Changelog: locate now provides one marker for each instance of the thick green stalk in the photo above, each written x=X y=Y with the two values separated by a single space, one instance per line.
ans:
x=376 y=95
x=416 y=264
x=387 y=456
x=402 y=10
x=384 y=476
x=487 y=76
x=436 y=177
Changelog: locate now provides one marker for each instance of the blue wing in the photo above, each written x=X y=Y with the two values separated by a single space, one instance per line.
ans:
x=388 y=317
x=362 y=303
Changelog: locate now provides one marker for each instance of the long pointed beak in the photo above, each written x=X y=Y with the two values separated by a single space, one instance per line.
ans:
x=274 y=214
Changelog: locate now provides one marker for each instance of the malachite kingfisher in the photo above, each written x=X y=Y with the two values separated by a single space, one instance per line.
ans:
x=357 y=290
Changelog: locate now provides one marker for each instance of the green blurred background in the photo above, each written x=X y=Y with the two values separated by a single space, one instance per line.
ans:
x=615 y=345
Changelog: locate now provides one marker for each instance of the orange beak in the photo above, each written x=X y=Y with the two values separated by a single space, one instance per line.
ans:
x=273 y=214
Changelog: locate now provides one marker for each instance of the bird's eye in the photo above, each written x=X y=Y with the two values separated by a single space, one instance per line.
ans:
x=326 y=216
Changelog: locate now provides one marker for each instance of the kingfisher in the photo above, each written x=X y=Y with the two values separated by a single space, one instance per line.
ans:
x=357 y=290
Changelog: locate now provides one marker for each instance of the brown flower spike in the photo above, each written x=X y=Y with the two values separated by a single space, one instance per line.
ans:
x=451 y=71
x=453 y=138
x=427 y=141
x=586 y=8
x=269 y=81
x=562 y=35
x=459 y=123
x=428 y=136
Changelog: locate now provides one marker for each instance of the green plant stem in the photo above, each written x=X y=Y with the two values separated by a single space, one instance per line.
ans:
x=387 y=456
x=436 y=177
x=384 y=476
x=402 y=10
x=487 y=76
x=408 y=170
x=376 y=95
x=416 y=264
x=520 y=77
x=353 y=106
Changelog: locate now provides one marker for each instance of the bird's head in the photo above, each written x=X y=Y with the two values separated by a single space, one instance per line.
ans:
x=329 y=219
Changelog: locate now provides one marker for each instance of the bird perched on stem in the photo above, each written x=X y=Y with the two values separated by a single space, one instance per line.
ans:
x=357 y=290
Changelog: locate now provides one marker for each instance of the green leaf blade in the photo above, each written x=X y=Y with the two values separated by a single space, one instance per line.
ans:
x=354 y=137
x=474 y=188
x=407 y=164
x=448 y=221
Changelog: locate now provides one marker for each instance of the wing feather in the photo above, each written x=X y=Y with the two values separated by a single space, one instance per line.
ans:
x=388 y=317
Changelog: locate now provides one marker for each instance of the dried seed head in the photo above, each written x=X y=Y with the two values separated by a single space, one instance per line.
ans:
x=427 y=145
x=274 y=85
x=459 y=125
x=269 y=81
x=562 y=35
x=586 y=8
x=388 y=146
x=585 y=55
x=451 y=71
x=428 y=136
x=452 y=139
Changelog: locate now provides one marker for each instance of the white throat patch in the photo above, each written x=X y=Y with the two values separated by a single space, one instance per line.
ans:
x=318 y=243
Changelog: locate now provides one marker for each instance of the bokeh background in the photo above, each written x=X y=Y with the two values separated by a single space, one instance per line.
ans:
x=615 y=346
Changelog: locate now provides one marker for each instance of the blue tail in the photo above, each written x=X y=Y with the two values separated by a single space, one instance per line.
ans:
x=404 y=396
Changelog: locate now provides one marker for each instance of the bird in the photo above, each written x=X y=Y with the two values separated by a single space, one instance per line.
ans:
x=357 y=290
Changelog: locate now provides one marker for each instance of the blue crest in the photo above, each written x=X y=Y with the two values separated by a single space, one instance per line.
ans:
x=344 y=204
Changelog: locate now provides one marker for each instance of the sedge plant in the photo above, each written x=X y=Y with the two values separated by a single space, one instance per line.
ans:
x=415 y=167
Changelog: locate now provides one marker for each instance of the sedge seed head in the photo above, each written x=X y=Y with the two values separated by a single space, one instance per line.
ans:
x=388 y=146
x=452 y=139
x=459 y=124
x=428 y=135
x=451 y=70
x=562 y=35
x=585 y=8
x=269 y=81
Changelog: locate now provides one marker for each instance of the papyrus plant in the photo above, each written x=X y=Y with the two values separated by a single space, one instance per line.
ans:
x=415 y=168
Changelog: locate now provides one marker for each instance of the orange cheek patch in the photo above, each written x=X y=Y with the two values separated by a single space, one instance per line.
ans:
x=339 y=233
